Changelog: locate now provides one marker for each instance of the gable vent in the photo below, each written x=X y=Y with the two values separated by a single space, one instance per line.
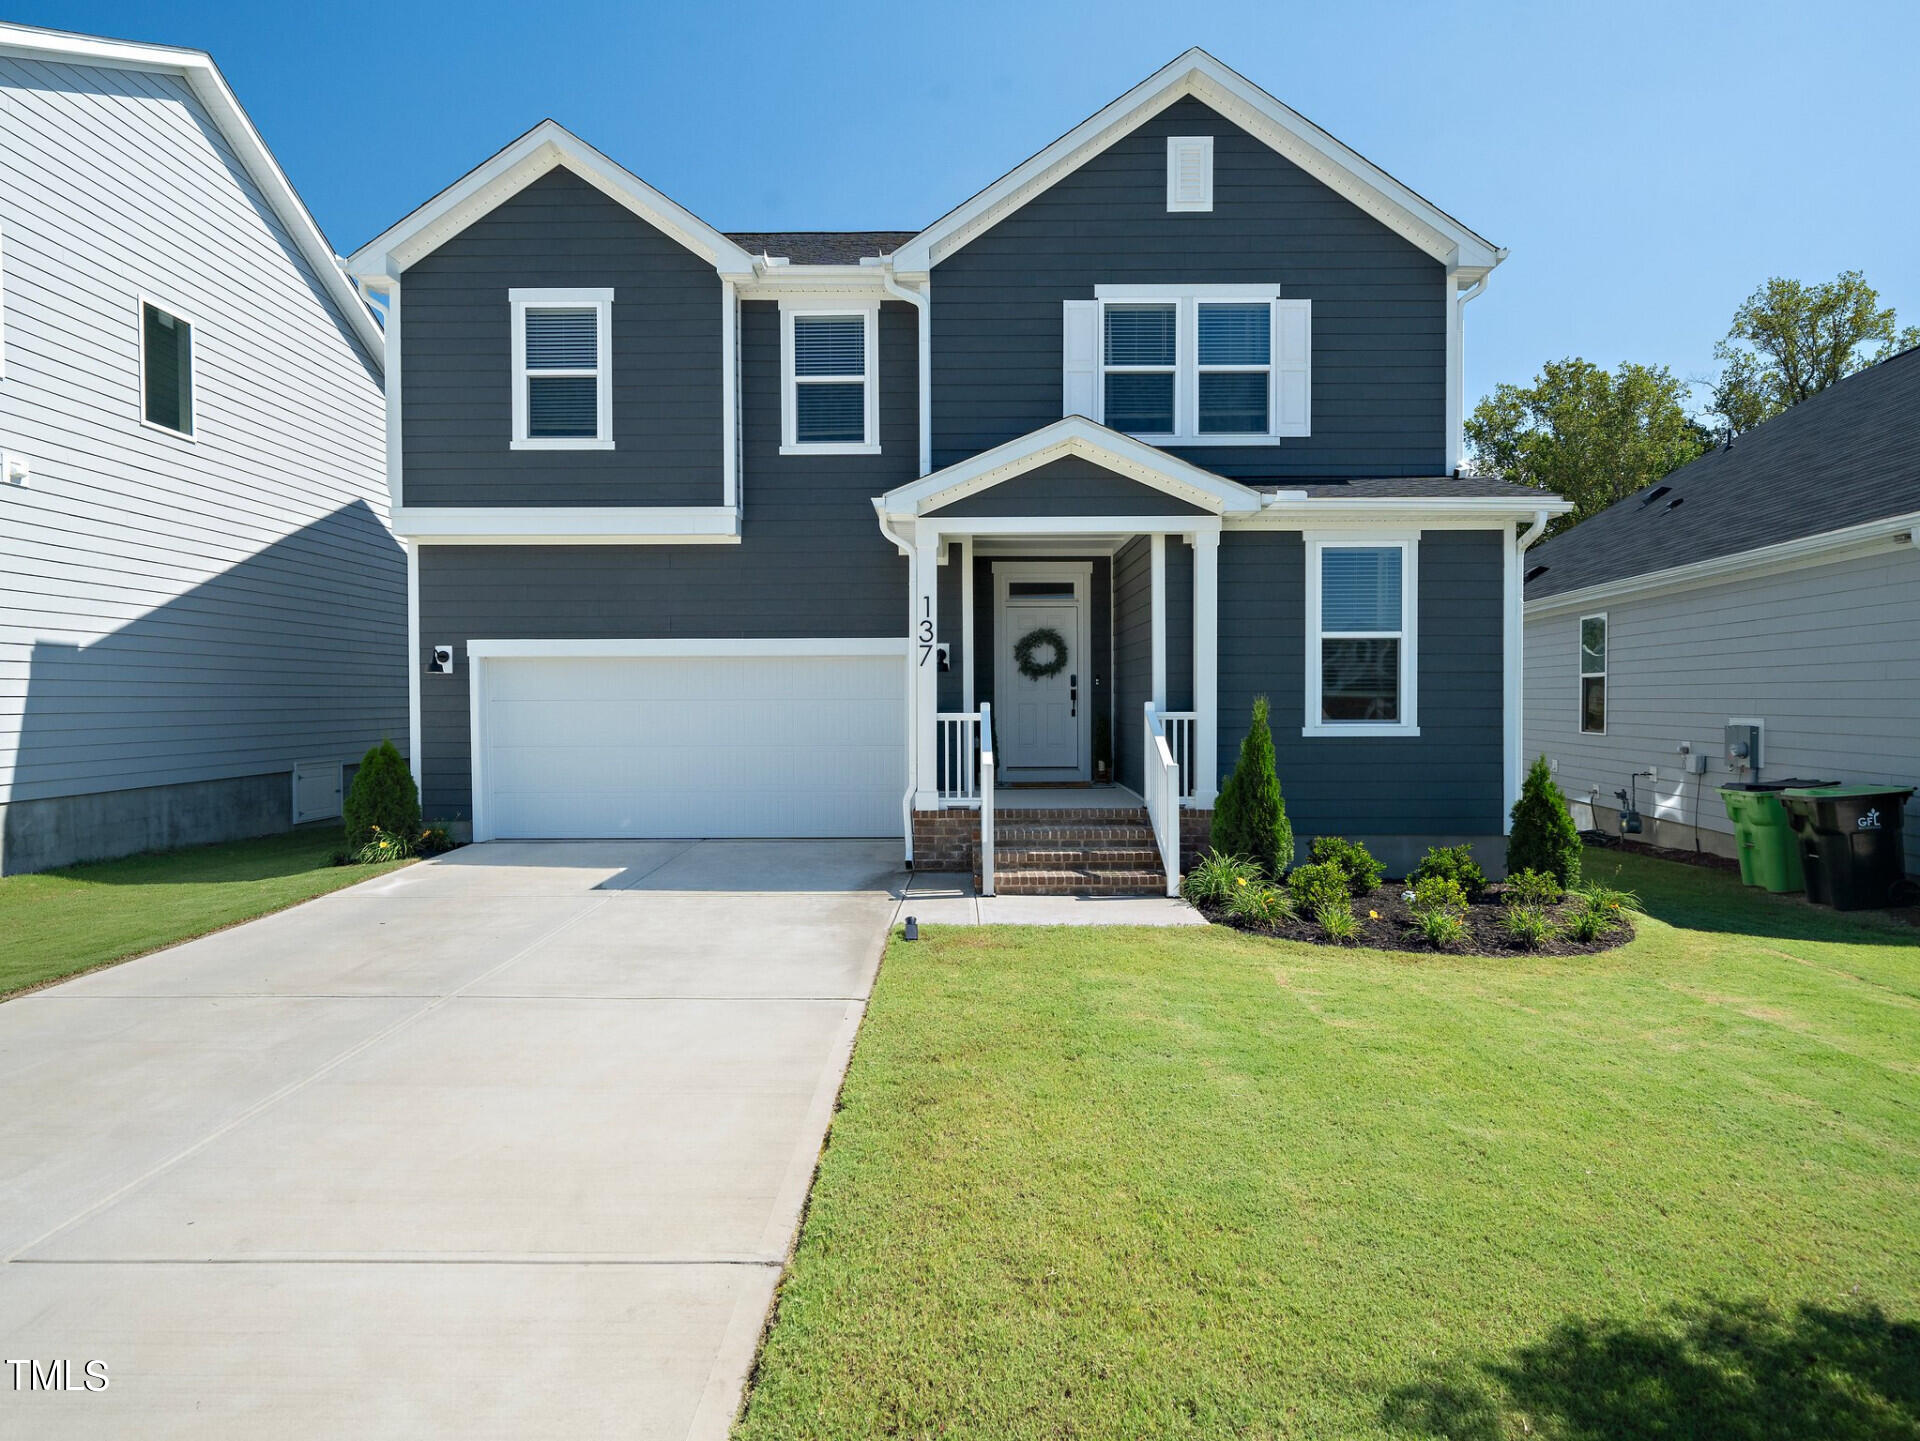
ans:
x=1189 y=172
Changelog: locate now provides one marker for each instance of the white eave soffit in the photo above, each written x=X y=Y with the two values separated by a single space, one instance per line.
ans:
x=1239 y=100
x=548 y=146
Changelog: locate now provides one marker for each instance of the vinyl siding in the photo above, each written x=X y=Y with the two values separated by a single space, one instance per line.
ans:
x=178 y=611
x=1379 y=304
x=1827 y=656
x=456 y=358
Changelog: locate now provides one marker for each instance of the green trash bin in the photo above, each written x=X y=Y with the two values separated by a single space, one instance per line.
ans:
x=1850 y=847
x=1769 y=854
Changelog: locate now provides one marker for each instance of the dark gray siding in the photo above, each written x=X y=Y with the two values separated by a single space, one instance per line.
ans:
x=1444 y=782
x=1379 y=318
x=811 y=561
x=456 y=358
x=1133 y=643
x=1070 y=486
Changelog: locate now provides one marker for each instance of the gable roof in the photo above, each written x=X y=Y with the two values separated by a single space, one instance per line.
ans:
x=210 y=88
x=1238 y=99
x=545 y=147
x=1073 y=435
x=1843 y=458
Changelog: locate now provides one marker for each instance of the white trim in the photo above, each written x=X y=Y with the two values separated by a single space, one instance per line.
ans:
x=1074 y=435
x=1077 y=525
x=414 y=665
x=1200 y=148
x=868 y=313
x=1284 y=511
x=1080 y=575
x=1582 y=675
x=1186 y=368
x=392 y=389
x=966 y=620
x=575 y=525
x=1241 y=102
x=727 y=647
x=729 y=394
x=923 y=662
x=549 y=145
x=1774 y=559
x=1157 y=614
x=600 y=300
x=1408 y=544
x=179 y=317
x=1206 y=668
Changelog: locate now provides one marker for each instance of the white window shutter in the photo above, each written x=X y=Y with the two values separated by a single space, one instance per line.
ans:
x=1189 y=172
x=1293 y=367
x=1080 y=357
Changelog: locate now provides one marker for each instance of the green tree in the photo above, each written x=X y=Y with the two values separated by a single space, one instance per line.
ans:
x=1543 y=837
x=383 y=796
x=1581 y=432
x=1250 y=815
x=1790 y=340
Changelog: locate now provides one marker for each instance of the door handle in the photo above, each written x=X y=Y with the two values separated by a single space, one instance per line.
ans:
x=1073 y=696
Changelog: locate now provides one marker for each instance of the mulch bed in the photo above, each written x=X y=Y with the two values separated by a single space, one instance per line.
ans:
x=1390 y=927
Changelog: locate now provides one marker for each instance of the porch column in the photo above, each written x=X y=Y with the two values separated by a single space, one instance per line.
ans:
x=1206 y=666
x=966 y=620
x=926 y=669
x=1159 y=593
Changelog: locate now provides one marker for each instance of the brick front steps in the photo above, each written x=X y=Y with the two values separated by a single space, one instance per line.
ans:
x=1076 y=852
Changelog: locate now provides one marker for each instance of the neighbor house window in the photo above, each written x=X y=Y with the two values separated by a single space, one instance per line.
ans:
x=562 y=369
x=1202 y=365
x=166 y=369
x=1593 y=674
x=829 y=393
x=1361 y=633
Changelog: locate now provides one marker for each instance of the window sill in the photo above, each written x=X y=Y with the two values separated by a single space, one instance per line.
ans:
x=1359 y=728
x=830 y=449
x=190 y=437
x=557 y=443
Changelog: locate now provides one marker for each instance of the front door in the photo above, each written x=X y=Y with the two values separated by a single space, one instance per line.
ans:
x=1042 y=677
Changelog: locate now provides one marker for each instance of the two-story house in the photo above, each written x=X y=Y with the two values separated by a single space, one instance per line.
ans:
x=907 y=534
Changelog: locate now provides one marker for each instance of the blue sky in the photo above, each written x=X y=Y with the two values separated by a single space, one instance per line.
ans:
x=1647 y=165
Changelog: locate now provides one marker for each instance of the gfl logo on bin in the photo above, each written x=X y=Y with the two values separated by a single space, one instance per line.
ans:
x=1869 y=822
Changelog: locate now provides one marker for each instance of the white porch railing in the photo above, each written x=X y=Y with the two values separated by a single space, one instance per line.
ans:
x=959 y=752
x=986 y=799
x=1182 y=727
x=1160 y=782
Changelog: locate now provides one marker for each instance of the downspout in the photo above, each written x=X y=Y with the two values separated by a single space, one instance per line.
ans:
x=918 y=300
x=913 y=690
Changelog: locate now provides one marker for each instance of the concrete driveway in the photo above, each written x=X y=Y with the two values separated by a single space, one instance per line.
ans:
x=512 y=1143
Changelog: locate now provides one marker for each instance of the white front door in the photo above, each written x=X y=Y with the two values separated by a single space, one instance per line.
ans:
x=1041 y=720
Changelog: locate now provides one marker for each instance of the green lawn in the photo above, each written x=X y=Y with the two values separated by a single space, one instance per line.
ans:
x=1101 y=1183
x=59 y=922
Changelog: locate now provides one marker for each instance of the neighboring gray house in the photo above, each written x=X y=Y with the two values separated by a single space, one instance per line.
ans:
x=744 y=534
x=204 y=606
x=1774 y=581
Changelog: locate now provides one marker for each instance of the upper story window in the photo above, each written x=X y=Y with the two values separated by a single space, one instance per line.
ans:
x=1194 y=365
x=166 y=369
x=1189 y=172
x=829 y=390
x=1361 y=636
x=562 y=369
x=1593 y=674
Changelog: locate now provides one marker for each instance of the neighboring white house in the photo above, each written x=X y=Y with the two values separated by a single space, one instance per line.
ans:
x=204 y=608
x=1775 y=581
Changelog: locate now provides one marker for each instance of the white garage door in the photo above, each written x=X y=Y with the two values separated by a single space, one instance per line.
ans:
x=714 y=745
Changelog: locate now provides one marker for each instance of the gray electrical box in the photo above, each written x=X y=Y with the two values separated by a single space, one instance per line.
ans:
x=1743 y=745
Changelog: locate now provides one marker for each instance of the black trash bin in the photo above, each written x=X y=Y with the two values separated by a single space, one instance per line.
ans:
x=1850 y=845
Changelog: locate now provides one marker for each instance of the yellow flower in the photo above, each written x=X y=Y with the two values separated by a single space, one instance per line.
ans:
x=1373 y=915
x=1242 y=880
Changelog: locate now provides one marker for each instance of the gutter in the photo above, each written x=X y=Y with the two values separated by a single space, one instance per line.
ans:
x=918 y=300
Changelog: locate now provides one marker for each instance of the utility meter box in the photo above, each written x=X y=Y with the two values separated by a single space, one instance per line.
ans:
x=1743 y=745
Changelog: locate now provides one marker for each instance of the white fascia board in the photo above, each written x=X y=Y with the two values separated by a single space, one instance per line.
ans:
x=210 y=88
x=953 y=527
x=545 y=147
x=1291 y=512
x=1078 y=436
x=1785 y=556
x=1238 y=99
x=694 y=646
x=824 y=282
x=568 y=525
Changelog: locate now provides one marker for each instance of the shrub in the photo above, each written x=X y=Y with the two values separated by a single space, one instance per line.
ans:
x=383 y=798
x=1363 y=872
x=383 y=846
x=1454 y=863
x=434 y=841
x=1260 y=902
x=1336 y=919
x=1587 y=925
x=1441 y=929
x=1531 y=888
x=1528 y=926
x=1250 y=815
x=1439 y=895
x=1215 y=878
x=1316 y=885
x=1612 y=899
x=1543 y=838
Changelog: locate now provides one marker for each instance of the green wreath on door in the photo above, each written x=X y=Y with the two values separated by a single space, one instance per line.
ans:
x=1023 y=653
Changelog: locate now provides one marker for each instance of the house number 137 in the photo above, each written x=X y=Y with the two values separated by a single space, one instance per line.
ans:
x=926 y=628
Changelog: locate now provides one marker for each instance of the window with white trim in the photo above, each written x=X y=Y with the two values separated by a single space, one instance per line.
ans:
x=562 y=369
x=1199 y=365
x=1593 y=674
x=1361 y=636
x=829 y=384
x=166 y=369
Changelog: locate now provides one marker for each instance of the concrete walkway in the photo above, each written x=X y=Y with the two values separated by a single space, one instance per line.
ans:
x=512 y=1143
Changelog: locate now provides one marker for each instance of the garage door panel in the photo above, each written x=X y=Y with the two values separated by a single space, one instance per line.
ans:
x=693 y=746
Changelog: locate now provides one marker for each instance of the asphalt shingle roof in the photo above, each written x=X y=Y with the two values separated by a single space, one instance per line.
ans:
x=822 y=247
x=1846 y=456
